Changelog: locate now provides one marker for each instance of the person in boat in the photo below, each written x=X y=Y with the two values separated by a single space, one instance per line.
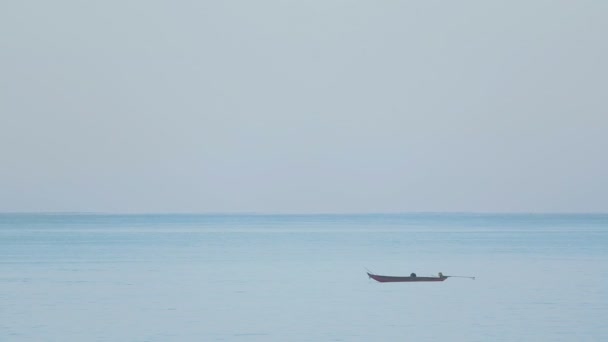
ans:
x=440 y=275
x=413 y=275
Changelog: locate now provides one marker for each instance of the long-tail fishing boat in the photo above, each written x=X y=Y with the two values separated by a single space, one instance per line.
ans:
x=412 y=278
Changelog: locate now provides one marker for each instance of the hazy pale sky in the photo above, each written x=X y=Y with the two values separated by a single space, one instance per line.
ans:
x=304 y=106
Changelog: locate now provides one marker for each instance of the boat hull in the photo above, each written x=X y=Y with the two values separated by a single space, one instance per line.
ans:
x=391 y=279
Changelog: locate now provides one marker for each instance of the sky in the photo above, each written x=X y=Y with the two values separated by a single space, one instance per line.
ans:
x=303 y=106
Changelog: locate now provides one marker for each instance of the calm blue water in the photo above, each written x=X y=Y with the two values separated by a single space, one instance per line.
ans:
x=85 y=277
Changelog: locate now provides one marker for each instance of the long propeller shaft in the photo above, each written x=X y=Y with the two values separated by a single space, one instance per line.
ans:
x=462 y=277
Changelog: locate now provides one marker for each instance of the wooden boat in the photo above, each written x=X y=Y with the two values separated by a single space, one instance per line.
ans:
x=392 y=279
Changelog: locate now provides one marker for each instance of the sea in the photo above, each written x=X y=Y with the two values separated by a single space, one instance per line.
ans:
x=257 y=277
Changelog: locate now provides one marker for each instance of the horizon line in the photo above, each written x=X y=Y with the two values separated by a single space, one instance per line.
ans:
x=262 y=213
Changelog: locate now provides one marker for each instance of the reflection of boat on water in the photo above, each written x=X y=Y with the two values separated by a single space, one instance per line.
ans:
x=411 y=278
